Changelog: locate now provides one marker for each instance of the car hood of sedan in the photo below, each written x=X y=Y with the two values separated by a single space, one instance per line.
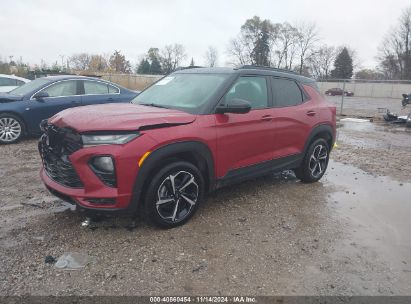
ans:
x=119 y=117
x=6 y=97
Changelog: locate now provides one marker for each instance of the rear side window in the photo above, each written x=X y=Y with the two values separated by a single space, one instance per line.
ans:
x=94 y=87
x=286 y=93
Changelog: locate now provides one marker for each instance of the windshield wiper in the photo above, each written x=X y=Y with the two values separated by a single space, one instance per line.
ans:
x=153 y=105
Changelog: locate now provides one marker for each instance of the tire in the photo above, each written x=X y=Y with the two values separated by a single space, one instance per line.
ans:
x=315 y=162
x=12 y=129
x=166 y=208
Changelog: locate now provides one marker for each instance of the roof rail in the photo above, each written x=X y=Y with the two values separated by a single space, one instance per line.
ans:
x=262 y=67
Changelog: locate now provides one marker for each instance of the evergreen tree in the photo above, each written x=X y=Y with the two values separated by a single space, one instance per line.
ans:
x=144 y=67
x=155 y=65
x=343 y=66
x=261 y=48
x=192 y=62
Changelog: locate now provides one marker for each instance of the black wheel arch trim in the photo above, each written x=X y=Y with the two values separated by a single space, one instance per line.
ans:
x=322 y=128
x=164 y=152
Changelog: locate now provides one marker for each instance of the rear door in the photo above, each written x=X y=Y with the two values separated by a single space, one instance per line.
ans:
x=294 y=116
x=96 y=92
x=62 y=95
x=244 y=140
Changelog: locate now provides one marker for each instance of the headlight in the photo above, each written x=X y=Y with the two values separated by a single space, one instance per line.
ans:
x=119 y=139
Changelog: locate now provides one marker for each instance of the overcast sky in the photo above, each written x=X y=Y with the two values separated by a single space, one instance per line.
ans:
x=46 y=29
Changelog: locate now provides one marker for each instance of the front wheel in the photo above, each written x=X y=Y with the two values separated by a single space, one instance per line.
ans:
x=315 y=162
x=174 y=194
x=11 y=129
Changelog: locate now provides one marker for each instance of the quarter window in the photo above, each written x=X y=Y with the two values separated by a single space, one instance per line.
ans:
x=249 y=88
x=94 y=87
x=64 y=88
x=112 y=90
x=286 y=93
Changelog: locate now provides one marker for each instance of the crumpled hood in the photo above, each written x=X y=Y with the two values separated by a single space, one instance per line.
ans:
x=119 y=117
x=6 y=97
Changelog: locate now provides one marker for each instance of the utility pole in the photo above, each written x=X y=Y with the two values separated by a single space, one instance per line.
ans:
x=62 y=61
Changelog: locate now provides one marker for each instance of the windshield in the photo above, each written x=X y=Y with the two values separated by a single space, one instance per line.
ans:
x=186 y=92
x=29 y=87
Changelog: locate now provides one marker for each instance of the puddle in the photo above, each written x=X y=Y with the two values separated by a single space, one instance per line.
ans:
x=377 y=211
x=374 y=135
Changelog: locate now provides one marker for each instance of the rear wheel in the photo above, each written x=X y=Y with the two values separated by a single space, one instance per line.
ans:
x=11 y=129
x=315 y=162
x=174 y=194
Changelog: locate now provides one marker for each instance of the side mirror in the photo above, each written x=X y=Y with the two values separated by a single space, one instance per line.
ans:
x=40 y=95
x=237 y=106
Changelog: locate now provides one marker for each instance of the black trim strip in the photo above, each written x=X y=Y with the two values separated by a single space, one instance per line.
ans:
x=245 y=173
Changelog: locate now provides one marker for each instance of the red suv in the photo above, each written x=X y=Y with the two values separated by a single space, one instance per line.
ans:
x=192 y=132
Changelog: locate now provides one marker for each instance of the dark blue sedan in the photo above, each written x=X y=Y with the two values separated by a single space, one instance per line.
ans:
x=22 y=109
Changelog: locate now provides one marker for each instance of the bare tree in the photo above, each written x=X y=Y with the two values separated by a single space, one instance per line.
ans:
x=252 y=45
x=306 y=39
x=119 y=63
x=238 y=52
x=284 y=47
x=98 y=63
x=395 y=50
x=320 y=61
x=80 y=61
x=211 y=57
x=171 y=57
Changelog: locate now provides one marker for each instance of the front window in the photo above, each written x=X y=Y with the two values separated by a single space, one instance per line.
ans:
x=249 y=88
x=29 y=87
x=63 y=88
x=186 y=92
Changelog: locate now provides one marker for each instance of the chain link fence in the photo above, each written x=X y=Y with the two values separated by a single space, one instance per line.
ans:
x=369 y=88
x=366 y=98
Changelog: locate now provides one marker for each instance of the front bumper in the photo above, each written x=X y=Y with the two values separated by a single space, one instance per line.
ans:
x=80 y=196
x=123 y=198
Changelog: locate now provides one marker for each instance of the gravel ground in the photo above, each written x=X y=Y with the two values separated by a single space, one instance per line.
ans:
x=345 y=235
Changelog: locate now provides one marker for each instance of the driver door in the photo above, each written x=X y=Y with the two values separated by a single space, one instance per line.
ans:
x=245 y=141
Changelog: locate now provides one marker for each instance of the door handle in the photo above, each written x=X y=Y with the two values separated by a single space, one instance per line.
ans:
x=267 y=118
x=110 y=99
x=311 y=113
x=77 y=102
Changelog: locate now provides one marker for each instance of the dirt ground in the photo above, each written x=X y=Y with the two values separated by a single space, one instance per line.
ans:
x=345 y=235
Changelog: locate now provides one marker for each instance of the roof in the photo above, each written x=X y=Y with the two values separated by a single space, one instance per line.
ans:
x=63 y=77
x=247 y=70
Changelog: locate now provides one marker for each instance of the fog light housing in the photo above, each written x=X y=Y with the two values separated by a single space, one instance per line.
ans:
x=103 y=166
